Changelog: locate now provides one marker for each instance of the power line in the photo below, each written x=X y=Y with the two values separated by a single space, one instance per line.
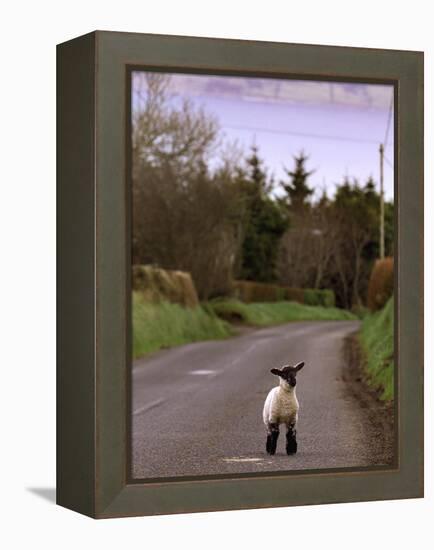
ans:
x=300 y=134
x=382 y=159
x=388 y=161
x=389 y=118
x=381 y=201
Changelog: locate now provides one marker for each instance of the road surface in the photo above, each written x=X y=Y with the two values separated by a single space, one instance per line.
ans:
x=197 y=409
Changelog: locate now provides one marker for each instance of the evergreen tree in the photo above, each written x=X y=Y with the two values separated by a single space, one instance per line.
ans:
x=324 y=200
x=265 y=223
x=370 y=187
x=372 y=198
x=297 y=190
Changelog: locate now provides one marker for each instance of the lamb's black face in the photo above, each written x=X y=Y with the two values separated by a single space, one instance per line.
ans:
x=288 y=373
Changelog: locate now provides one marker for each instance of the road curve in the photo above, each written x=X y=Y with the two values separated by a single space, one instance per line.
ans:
x=197 y=409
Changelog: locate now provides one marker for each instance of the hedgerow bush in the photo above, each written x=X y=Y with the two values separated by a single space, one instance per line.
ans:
x=294 y=294
x=380 y=287
x=251 y=292
x=316 y=297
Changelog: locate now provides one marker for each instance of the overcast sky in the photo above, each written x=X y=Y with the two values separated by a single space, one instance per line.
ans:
x=339 y=125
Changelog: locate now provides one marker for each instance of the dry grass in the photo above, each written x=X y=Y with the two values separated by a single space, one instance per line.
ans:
x=157 y=285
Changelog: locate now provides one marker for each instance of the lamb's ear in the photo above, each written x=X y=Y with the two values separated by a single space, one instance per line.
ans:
x=276 y=371
x=299 y=366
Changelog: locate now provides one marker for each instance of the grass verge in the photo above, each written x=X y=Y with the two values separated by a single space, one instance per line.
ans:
x=376 y=338
x=163 y=325
x=273 y=313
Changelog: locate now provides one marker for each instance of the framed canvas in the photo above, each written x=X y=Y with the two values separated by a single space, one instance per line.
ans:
x=225 y=209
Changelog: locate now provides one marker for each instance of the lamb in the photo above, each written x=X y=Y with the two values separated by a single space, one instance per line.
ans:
x=281 y=407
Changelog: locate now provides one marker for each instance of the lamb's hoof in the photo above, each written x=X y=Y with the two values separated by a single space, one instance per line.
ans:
x=270 y=447
x=291 y=449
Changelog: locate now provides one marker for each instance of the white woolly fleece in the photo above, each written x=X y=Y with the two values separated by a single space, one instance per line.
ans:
x=281 y=406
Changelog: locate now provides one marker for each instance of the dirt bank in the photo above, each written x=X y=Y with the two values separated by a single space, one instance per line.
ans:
x=380 y=415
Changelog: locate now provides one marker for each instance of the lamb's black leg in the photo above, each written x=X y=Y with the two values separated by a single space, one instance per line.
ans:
x=291 y=440
x=272 y=437
x=268 y=445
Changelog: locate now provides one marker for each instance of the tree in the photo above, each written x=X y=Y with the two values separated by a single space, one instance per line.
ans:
x=296 y=262
x=297 y=191
x=308 y=245
x=184 y=216
x=166 y=131
x=264 y=222
x=335 y=242
x=373 y=199
x=356 y=213
x=389 y=228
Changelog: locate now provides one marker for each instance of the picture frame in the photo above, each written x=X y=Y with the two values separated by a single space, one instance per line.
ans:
x=94 y=281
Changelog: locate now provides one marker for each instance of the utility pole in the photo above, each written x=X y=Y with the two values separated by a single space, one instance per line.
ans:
x=381 y=201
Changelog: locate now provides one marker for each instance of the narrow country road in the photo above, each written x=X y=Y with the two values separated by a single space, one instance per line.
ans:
x=197 y=409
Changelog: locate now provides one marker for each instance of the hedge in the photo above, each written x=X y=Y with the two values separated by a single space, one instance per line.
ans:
x=250 y=292
x=315 y=297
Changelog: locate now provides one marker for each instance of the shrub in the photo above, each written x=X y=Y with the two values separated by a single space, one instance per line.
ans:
x=250 y=291
x=360 y=311
x=294 y=295
x=380 y=287
x=316 y=297
x=329 y=299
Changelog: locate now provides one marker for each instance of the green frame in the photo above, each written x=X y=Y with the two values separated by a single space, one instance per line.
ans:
x=93 y=363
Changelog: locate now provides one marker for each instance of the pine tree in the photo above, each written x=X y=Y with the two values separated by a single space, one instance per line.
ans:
x=265 y=223
x=370 y=190
x=297 y=190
